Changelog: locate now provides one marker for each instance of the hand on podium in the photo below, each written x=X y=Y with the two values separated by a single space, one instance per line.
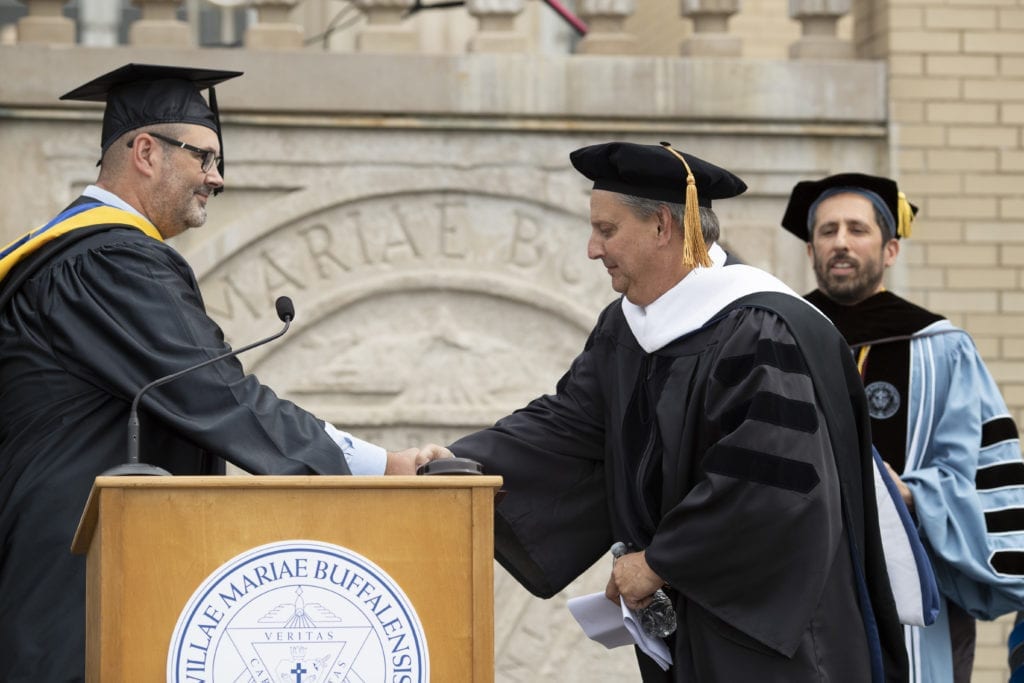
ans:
x=406 y=462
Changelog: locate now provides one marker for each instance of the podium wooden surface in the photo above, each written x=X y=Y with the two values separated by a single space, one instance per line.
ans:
x=152 y=541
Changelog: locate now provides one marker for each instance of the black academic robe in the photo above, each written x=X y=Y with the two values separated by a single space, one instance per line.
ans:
x=885 y=322
x=78 y=339
x=739 y=457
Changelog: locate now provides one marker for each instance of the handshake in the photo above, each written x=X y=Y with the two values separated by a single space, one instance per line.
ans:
x=418 y=461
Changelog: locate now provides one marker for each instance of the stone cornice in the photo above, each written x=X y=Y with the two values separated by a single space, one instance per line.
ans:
x=553 y=92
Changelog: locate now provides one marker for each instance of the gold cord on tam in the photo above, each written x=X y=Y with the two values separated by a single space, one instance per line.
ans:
x=695 y=251
x=905 y=215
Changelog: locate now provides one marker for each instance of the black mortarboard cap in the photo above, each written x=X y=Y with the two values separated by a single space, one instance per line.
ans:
x=807 y=192
x=653 y=172
x=663 y=174
x=139 y=95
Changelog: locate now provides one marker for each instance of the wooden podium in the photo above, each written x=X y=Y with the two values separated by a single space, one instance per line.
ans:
x=152 y=541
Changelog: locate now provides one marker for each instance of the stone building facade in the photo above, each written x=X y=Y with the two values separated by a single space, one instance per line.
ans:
x=405 y=180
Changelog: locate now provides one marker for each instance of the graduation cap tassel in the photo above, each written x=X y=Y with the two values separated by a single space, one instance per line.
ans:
x=905 y=215
x=695 y=251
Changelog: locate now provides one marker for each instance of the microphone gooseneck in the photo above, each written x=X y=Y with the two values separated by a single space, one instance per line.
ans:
x=285 y=312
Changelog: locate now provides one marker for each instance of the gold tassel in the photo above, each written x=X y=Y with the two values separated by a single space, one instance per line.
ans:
x=695 y=251
x=905 y=216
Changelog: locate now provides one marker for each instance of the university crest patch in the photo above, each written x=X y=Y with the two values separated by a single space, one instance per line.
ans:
x=298 y=612
x=883 y=400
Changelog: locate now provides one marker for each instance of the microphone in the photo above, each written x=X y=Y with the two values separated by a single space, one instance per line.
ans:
x=285 y=311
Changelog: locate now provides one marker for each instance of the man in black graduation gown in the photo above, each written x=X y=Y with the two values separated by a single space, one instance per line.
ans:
x=95 y=305
x=715 y=423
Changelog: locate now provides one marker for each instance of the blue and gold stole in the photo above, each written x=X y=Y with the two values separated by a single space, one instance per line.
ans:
x=74 y=218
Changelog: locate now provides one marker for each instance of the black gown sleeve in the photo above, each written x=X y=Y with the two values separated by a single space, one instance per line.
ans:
x=553 y=522
x=125 y=313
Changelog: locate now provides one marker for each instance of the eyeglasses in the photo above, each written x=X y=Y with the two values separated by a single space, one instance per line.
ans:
x=208 y=158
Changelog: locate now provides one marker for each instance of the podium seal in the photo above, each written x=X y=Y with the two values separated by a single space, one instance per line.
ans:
x=298 y=612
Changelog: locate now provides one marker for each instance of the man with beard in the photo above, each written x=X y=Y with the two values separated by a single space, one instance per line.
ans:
x=937 y=417
x=94 y=306
x=713 y=423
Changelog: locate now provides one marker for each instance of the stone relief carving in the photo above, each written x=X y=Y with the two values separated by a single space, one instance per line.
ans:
x=443 y=358
x=348 y=250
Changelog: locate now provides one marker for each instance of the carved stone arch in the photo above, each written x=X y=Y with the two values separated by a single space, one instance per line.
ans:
x=423 y=312
x=447 y=357
x=348 y=186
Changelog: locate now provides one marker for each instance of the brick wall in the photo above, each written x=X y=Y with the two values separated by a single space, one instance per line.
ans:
x=957 y=109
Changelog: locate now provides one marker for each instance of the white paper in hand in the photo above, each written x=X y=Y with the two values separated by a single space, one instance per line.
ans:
x=601 y=620
x=615 y=626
